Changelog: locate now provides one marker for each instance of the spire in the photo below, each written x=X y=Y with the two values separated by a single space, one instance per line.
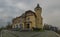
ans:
x=38 y=6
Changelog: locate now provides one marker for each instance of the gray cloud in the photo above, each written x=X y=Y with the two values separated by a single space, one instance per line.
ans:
x=52 y=13
x=8 y=11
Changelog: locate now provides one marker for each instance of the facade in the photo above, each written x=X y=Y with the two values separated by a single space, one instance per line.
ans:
x=29 y=19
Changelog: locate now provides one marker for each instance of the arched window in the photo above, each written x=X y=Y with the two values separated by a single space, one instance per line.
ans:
x=21 y=25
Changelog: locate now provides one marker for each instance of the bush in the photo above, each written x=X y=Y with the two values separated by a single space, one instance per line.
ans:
x=0 y=29
x=37 y=29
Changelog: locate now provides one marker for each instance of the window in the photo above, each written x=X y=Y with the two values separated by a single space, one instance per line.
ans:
x=21 y=25
x=16 y=26
x=28 y=18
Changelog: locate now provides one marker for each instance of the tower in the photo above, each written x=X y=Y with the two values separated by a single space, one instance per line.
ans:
x=38 y=11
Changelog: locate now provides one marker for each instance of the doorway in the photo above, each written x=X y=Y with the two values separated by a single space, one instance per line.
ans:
x=28 y=26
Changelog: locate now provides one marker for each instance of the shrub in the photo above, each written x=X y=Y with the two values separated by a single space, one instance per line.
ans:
x=37 y=29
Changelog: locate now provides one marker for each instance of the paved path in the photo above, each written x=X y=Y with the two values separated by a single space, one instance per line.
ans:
x=6 y=33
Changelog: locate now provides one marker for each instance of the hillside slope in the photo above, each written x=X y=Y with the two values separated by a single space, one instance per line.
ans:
x=7 y=33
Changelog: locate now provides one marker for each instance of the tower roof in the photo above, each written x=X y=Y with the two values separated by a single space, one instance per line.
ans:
x=29 y=11
x=38 y=6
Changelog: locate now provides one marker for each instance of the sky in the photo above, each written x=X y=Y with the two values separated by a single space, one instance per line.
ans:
x=10 y=9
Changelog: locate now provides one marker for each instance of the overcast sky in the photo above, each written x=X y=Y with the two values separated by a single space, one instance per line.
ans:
x=13 y=8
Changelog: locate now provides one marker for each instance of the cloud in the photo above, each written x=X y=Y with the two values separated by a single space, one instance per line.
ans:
x=22 y=6
x=52 y=13
x=8 y=11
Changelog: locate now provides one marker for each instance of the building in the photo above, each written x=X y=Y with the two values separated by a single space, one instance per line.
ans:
x=29 y=19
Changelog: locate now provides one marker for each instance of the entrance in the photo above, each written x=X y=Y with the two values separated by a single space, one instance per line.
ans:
x=28 y=26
